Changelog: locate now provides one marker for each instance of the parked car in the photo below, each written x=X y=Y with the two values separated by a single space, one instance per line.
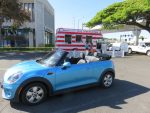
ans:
x=145 y=48
x=31 y=82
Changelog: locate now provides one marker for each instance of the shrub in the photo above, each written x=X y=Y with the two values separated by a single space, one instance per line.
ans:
x=25 y=49
x=49 y=45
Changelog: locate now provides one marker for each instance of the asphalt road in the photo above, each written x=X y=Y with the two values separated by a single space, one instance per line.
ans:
x=129 y=94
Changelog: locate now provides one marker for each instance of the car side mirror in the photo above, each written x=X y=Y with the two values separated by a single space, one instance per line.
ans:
x=66 y=65
x=38 y=59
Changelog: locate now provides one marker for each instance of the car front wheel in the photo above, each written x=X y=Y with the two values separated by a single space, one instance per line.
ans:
x=148 y=53
x=107 y=80
x=34 y=94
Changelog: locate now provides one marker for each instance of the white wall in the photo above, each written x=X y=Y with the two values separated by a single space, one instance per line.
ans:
x=39 y=23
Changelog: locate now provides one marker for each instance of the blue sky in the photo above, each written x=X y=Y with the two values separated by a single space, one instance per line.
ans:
x=72 y=13
x=79 y=11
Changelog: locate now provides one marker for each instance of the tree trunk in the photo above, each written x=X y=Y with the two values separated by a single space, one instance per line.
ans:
x=0 y=35
x=15 y=41
x=1 y=38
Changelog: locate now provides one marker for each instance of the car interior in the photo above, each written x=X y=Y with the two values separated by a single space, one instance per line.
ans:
x=88 y=58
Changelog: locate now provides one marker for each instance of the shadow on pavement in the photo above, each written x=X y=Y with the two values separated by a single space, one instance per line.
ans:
x=87 y=99
x=137 y=54
x=21 y=55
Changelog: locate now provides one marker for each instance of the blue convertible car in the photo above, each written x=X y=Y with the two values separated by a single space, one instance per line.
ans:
x=32 y=81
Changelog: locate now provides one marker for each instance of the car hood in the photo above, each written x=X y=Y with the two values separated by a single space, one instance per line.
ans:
x=24 y=67
x=28 y=65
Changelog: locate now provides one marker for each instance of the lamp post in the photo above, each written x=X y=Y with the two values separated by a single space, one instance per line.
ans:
x=78 y=23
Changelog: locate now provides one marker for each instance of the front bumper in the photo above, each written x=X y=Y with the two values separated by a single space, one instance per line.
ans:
x=9 y=91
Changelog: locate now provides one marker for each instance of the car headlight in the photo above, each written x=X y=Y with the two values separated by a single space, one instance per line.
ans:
x=15 y=77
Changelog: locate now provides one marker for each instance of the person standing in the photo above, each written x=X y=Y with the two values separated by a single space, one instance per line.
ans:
x=91 y=50
x=91 y=45
x=86 y=46
x=98 y=47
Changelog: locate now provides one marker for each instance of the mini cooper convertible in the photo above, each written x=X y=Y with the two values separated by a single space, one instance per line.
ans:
x=31 y=82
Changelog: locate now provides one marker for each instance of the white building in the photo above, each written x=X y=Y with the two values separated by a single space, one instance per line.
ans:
x=42 y=29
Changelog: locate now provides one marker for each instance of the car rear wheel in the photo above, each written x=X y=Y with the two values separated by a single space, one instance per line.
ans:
x=107 y=80
x=129 y=50
x=148 y=53
x=34 y=94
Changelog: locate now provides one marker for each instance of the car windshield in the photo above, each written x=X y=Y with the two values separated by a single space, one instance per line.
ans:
x=52 y=58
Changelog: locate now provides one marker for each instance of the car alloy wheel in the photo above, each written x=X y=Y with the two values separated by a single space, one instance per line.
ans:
x=107 y=80
x=34 y=94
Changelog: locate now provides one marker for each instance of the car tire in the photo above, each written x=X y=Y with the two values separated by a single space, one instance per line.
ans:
x=33 y=94
x=129 y=50
x=148 y=53
x=126 y=53
x=107 y=80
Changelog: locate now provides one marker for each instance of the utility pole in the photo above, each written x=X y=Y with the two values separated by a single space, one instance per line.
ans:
x=74 y=23
x=78 y=23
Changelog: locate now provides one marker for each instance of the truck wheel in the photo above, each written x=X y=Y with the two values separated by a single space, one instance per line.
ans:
x=129 y=50
x=148 y=53
x=34 y=94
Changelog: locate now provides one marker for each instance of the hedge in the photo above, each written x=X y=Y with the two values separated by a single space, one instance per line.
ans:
x=24 y=49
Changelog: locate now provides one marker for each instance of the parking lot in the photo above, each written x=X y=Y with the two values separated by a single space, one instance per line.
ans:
x=129 y=94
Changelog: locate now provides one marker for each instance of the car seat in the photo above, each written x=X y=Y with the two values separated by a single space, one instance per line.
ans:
x=82 y=60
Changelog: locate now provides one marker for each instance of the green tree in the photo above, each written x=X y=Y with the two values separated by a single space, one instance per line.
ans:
x=12 y=10
x=128 y=12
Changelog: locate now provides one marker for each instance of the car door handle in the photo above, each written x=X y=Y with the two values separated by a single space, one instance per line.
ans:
x=49 y=73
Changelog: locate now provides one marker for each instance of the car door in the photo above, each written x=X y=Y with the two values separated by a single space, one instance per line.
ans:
x=75 y=75
x=141 y=49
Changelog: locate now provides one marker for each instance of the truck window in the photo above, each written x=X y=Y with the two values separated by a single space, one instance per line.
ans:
x=79 y=38
x=68 y=39
x=89 y=39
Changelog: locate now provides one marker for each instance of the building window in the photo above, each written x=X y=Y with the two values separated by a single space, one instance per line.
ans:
x=48 y=37
x=29 y=7
x=33 y=17
x=68 y=39
x=30 y=10
x=26 y=7
x=79 y=38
